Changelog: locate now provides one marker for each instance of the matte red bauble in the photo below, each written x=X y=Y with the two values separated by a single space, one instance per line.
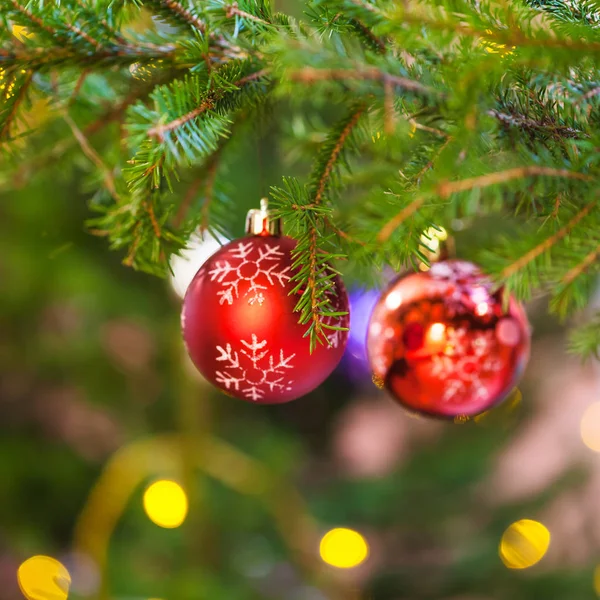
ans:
x=443 y=344
x=239 y=324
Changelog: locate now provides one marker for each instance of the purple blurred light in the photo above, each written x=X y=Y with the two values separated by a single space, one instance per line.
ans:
x=355 y=361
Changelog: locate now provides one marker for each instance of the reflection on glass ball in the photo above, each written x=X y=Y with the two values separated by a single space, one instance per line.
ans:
x=443 y=342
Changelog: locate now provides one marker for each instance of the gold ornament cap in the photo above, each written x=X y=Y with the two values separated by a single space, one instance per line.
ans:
x=260 y=221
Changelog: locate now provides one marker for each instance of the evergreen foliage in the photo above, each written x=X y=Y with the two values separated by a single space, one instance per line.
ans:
x=425 y=113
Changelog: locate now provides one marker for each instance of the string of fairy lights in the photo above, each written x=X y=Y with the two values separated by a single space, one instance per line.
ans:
x=523 y=544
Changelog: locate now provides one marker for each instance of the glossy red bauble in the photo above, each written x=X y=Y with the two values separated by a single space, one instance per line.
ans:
x=240 y=328
x=443 y=344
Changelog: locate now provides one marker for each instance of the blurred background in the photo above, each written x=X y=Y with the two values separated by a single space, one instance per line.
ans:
x=138 y=481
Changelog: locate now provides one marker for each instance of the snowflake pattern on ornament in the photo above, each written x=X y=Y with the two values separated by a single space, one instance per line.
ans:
x=466 y=361
x=453 y=270
x=254 y=267
x=466 y=285
x=254 y=367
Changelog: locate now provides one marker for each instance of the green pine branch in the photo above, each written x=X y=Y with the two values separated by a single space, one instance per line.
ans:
x=461 y=111
x=187 y=120
x=309 y=209
x=585 y=340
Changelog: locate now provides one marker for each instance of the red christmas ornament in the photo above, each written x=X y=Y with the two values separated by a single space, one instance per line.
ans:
x=443 y=344
x=239 y=324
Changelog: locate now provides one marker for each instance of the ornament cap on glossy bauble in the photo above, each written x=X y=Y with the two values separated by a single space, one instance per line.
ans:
x=443 y=342
x=239 y=324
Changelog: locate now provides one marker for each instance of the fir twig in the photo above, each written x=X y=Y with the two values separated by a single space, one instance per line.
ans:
x=34 y=19
x=447 y=188
x=183 y=14
x=314 y=276
x=312 y=75
x=160 y=131
x=87 y=149
x=233 y=10
x=576 y=271
x=547 y=243
x=6 y=122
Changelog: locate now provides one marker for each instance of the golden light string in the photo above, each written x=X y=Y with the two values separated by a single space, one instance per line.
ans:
x=123 y=474
x=131 y=465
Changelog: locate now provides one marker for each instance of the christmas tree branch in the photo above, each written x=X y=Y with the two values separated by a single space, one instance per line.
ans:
x=364 y=31
x=500 y=84
x=232 y=10
x=12 y=102
x=585 y=340
x=161 y=130
x=576 y=271
x=208 y=101
x=545 y=245
x=89 y=151
x=331 y=153
x=34 y=20
x=182 y=14
x=105 y=24
x=310 y=214
x=560 y=131
x=447 y=188
x=84 y=35
x=313 y=75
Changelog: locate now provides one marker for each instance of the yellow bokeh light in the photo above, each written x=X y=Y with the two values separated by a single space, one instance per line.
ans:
x=43 y=578
x=431 y=240
x=21 y=32
x=166 y=503
x=597 y=580
x=524 y=544
x=494 y=47
x=590 y=427
x=344 y=548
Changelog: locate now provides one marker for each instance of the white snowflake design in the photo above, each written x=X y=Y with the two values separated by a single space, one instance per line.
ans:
x=258 y=266
x=466 y=361
x=466 y=285
x=253 y=369
x=456 y=269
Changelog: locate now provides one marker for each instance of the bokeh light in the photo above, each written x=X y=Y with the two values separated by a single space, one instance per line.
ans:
x=524 y=544
x=597 y=580
x=344 y=548
x=590 y=427
x=166 y=503
x=21 y=32
x=185 y=265
x=355 y=361
x=430 y=242
x=43 y=578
